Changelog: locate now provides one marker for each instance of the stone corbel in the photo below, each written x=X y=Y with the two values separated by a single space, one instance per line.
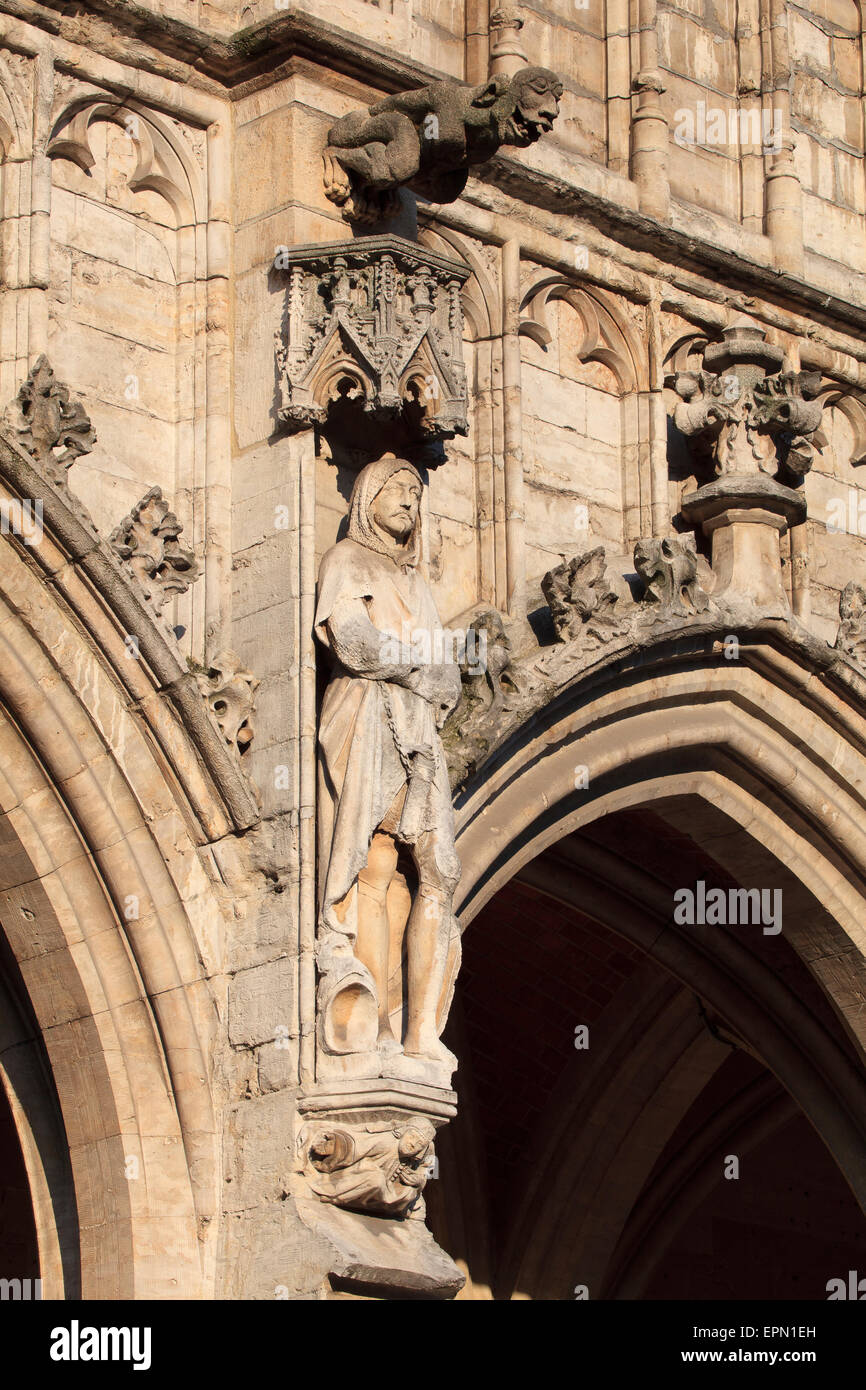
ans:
x=375 y=324
x=364 y=1152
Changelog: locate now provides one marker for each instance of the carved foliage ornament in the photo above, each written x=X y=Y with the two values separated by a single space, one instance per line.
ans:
x=53 y=428
x=379 y=322
x=744 y=411
x=668 y=570
x=148 y=542
x=851 y=637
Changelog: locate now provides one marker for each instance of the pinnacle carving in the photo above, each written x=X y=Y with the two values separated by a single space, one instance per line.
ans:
x=51 y=426
x=148 y=543
x=744 y=412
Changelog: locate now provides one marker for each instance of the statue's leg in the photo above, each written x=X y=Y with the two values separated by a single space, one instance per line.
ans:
x=382 y=151
x=374 y=930
x=428 y=934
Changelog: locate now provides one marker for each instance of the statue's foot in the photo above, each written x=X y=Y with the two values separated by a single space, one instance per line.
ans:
x=388 y=1045
x=431 y=1049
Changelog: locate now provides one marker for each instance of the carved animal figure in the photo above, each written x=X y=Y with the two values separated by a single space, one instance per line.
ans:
x=430 y=136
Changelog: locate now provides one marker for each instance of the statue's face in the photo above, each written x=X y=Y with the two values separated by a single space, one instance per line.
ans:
x=395 y=509
x=534 y=98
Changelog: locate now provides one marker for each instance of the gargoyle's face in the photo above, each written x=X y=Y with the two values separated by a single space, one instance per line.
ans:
x=533 y=98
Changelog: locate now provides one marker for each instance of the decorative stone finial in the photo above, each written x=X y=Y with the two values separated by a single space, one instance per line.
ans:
x=754 y=423
x=746 y=413
x=54 y=429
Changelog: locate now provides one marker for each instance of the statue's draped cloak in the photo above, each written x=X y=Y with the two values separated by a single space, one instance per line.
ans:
x=360 y=768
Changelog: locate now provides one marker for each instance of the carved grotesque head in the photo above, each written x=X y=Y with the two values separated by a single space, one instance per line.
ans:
x=532 y=105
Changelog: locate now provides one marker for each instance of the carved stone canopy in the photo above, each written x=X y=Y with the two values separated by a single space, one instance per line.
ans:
x=373 y=326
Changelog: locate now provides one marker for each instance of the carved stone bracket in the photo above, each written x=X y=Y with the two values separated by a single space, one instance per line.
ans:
x=148 y=543
x=363 y=1154
x=379 y=1167
x=54 y=428
x=377 y=322
x=229 y=690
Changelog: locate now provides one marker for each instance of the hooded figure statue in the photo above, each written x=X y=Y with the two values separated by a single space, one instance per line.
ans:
x=383 y=781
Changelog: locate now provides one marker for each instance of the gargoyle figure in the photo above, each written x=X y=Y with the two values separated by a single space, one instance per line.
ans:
x=580 y=600
x=851 y=637
x=428 y=137
x=669 y=571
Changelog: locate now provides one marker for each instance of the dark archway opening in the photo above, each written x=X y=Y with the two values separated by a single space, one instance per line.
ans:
x=608 y=1165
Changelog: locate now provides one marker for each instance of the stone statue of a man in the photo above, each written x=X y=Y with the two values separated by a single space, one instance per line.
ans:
x=383 y=782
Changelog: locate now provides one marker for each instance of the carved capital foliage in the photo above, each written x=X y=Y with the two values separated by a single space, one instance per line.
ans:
x=746 y=414
x=851 y=637
x=376 y=323
x=379 y=1167
x=148 y=543
x=229 y=690
x=51 y=426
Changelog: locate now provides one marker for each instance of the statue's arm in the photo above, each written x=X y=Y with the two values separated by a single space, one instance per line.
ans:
x=359 y=645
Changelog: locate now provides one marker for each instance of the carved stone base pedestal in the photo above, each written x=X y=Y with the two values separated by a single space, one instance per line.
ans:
x=364 y=1155
x=745 y=516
